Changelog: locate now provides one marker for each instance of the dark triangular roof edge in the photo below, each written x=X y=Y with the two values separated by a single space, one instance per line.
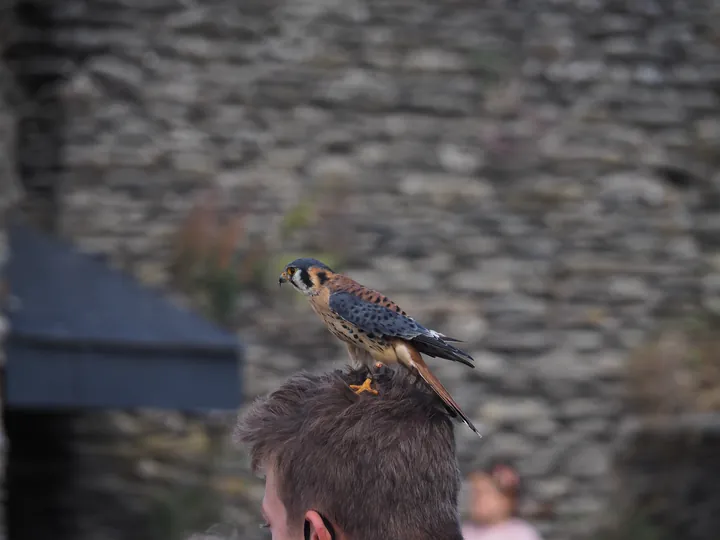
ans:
x=225 y=339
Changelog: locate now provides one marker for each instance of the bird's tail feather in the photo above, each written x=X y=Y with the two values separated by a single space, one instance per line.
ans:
x=448 y=338
x=411 y=359
x=437 y=347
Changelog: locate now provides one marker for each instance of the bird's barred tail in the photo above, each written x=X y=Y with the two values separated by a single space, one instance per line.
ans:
x=413 y=360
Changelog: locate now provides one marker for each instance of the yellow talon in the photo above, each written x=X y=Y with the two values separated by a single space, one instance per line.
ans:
x=364 y=387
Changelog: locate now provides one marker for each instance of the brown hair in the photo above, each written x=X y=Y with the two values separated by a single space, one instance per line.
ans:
x=377 y=466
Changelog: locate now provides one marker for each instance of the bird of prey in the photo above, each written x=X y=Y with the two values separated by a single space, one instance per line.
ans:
x=373 y=327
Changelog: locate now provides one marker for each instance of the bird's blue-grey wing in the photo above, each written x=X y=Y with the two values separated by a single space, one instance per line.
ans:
x=377 y=319
x=374 y=318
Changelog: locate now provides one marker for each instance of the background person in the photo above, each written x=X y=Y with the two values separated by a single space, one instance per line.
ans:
x=494 y=497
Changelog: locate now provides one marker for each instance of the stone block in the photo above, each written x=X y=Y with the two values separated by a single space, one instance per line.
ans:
x=589 y=461
x=520 y=411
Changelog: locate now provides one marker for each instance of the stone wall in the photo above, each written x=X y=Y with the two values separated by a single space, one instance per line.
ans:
x=538 y=179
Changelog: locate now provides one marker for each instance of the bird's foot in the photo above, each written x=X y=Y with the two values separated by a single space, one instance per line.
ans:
x=364 y=387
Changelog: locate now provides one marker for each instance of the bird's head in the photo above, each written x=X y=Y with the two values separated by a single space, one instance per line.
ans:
x=306 y=275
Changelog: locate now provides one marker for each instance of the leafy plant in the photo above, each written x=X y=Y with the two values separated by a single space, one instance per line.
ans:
x=300 y=216
x=678 y=370
x=180 y=512
x=207 y=263
x=633 y=525
x=214 y=259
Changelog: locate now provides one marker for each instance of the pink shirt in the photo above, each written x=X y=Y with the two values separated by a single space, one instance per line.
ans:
x=512 y=529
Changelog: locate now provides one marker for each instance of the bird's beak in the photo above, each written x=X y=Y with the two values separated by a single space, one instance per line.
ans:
x=282 y=279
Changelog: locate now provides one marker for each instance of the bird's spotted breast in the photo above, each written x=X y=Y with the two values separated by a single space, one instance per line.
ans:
x=349 y=333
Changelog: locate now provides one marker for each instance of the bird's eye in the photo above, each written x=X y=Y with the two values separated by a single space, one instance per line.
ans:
x=291 y=270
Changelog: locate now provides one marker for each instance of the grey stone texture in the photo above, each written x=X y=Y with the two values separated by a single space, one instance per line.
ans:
x=539 y=179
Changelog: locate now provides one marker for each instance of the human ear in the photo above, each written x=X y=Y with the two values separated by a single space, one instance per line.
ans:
x=315 y=528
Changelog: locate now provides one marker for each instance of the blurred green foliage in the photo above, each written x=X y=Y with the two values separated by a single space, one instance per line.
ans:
x=677 y=369
x=207 y=264
x=297 y=218
x=214 y=260
x=177 y=513
x=633 y=525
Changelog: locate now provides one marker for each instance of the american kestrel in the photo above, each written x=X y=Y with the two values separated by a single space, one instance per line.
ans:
x=373 y=327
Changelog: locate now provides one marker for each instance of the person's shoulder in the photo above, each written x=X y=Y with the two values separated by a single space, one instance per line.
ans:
x=470 y=532
x=524 y=530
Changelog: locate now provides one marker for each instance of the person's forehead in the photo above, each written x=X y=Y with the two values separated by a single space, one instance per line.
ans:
x=478 y=476
x=480 y=480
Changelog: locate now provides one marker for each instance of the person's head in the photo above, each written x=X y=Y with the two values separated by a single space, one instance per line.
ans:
x=495 y=490
x=372 y=466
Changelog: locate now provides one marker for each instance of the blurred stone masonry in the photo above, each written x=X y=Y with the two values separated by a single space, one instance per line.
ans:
x=539 y=179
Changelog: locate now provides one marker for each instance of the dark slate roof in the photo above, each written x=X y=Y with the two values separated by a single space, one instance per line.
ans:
x=62 y=294
x=85 y=335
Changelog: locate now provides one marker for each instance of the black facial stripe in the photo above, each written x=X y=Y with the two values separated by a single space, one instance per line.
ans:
x=322 y=278
x=305 y=278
